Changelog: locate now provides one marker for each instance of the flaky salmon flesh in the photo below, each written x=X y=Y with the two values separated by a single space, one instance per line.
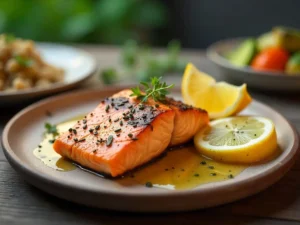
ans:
x=122 y=133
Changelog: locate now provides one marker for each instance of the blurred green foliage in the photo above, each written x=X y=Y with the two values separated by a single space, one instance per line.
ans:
x=98 y=21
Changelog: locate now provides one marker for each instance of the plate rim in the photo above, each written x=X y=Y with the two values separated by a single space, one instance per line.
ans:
x=59 y=86
x=21 y=167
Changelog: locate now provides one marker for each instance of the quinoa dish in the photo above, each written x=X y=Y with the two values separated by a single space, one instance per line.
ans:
x=22 y=67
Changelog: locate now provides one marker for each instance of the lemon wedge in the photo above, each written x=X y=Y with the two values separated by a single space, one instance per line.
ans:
x=241 y=139
x=218 y=99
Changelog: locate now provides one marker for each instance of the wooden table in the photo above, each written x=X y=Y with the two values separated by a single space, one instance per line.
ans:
x=20 y=203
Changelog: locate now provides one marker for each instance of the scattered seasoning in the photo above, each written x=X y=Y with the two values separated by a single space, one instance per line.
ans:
x=95 y=133
x=166 y=169
x=116 y=120
x=196 y=175
x=75 y=139
x=109 y=120
x=121 y=123
x=156 y=105
x=94 y=151
x=85 y=126
x=107 y=108
x=69 y=136
x=84 y=121
x=131 y=116
x=92 y=114
x=116 y=108
x=149 y=184
x=213 y=174
x=211 y=167
x=112 y=104
x=91 y=130
x=230 y=176
x=134 y=139
x=130 y=135
x=39 y=146
x=141 y=107
x=132 y=110
x=173 y=168
x=203 y=162
x=129 y=107
x=105 y=127
x=118 y=130
x=39 y=150
x=48 y=113
x=182 y=170
x=97 y=127
x=109 y=140
x=74 y=131
x=70 y=129
x=82 y=140
x=125 y=117
x=52 y=141
x=254 y=134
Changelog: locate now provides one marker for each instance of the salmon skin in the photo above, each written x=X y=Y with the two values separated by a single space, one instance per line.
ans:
x=122 y=133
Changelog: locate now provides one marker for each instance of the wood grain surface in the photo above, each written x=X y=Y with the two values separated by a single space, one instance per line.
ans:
x=20 y=203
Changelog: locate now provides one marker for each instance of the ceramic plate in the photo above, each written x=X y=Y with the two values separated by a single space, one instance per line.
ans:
x=23 y=133
x=78 y=66
x=273 y=81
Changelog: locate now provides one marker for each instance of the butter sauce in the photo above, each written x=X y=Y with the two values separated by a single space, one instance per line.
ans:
x=181 y=168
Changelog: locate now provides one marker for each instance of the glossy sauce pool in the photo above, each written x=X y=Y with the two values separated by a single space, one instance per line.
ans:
x=180 y=168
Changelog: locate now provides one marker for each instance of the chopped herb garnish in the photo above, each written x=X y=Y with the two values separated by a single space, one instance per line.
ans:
x=23 y=61
x=109 y=140
x=156 y=89
x=52 y=141
x=118 y=130
x=203 y=163
x=70 y=129
x=74 y=131
x=130 y=135
x=107 y=108
x=121 y=123
x=230 y=176
x=51 y=129
x=149 y=184
x=97 y=127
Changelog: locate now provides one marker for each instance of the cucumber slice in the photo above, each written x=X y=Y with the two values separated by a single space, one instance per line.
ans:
x=243 y=54
x=293 y=65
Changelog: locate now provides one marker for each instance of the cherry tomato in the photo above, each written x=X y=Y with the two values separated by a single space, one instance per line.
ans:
x=270 y=59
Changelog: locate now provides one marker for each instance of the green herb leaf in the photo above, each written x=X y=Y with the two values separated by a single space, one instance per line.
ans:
x=23 y=61
x=51 y=129
x=156 y=90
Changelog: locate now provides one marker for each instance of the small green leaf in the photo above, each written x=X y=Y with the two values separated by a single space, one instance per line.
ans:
x=23 y=61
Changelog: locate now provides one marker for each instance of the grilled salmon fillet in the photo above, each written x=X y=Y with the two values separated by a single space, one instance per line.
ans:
x=119 y=135
x=122 y=133
x=188 y=120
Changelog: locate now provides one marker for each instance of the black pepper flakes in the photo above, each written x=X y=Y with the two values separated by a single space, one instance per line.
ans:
x=84 y=121
x=94 y=151
x=84 y=127
x=107 y=108
x=109 y=140
x=74 y=131
x=82 y=140
x=134 y=139
x=157 y=105
x=118 y=130
x=97 y=127
x=121 y=123
x=75 y=139
x=230 y=176
x=149 y=184
x=70 y=129
x=196 y=175
x=213 y=174
x=52 y=141
x=203 y=163
x=211 y=167
x=95 y=133
x=116 y=120
x=91 y=130
x=130 y=135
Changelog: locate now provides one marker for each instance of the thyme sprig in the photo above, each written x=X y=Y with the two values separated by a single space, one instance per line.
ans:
x=155 y=89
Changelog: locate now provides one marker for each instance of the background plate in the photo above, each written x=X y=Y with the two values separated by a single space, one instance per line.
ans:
x=78 y=65
x=22 y=134
x=274 y=81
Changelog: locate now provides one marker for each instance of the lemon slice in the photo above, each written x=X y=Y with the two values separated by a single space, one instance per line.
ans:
x=238 y=139
x=218 y=99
